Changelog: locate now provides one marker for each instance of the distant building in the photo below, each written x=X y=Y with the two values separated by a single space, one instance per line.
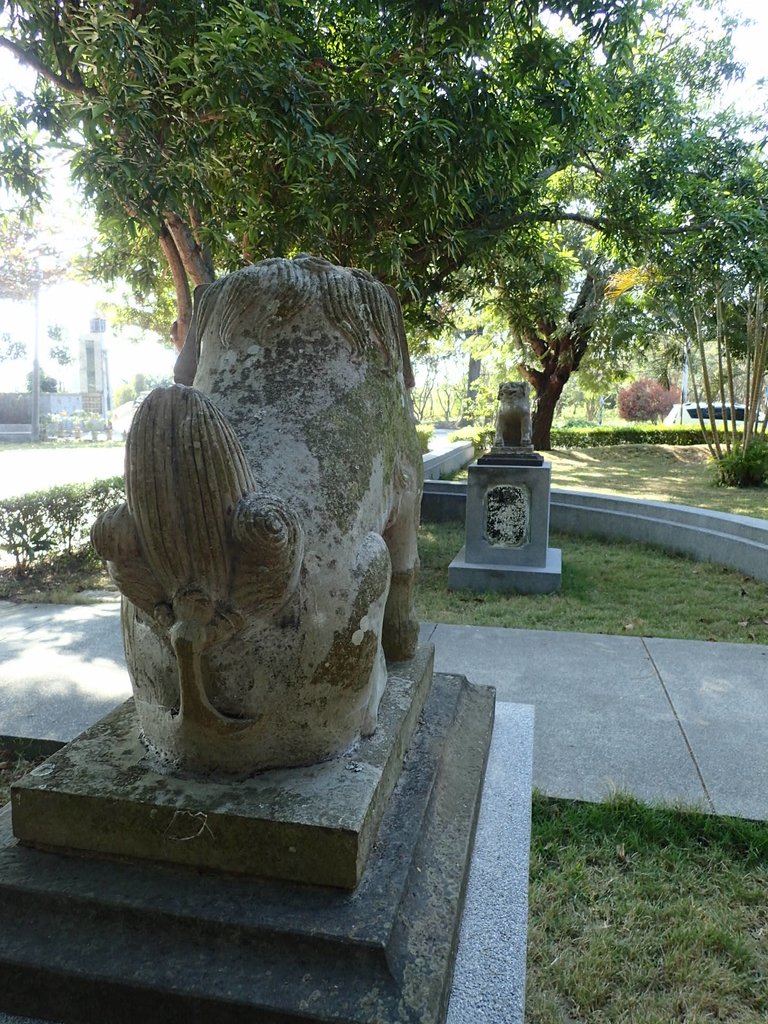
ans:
x=94 y=375
x=82 y=385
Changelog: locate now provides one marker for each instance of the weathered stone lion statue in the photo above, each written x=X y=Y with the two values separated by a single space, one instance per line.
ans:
x=513 y=418
x=267 y=547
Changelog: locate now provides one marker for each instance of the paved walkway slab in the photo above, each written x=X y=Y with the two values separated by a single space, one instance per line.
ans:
x=603 y=720
x=720 y=696
x=61 y=668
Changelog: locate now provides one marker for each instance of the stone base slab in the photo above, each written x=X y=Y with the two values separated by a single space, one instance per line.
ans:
x=104 y=794
x=519 y=579
x=90 y=940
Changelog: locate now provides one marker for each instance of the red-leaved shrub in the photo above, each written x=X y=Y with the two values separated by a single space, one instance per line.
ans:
x=646 y=400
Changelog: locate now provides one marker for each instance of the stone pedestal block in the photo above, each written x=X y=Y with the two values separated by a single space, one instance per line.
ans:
x=93 y=939
x=508 y=514
x=104 y=794
x=507 y=531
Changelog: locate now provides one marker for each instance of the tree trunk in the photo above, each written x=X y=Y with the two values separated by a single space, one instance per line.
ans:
x=544 y=412
x=183 y=321
x=560 y=351
x=473 y=375
x=474 y=370
x=194 y=257
x=187 y=260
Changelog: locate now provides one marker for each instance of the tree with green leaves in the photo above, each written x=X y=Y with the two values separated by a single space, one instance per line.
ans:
x=27 y=260
x=648 y=177
x=405 y=138
x=445 y=145
x=141 y=383
x=47 y=385
x=27 y=264
x=10 y=349
x=709 y=283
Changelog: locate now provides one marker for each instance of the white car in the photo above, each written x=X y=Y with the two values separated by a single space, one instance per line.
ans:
x=686 y=415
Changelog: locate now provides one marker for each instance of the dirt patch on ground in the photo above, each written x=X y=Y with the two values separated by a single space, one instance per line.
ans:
x=60 y=580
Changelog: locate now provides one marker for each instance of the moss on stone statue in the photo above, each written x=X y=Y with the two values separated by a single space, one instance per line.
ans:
x=363 y=415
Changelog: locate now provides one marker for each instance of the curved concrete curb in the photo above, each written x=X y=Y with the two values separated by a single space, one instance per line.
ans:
x=445 y=461
x=737 y=542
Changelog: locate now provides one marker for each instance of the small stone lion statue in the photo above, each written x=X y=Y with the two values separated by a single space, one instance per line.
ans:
x=513 y=419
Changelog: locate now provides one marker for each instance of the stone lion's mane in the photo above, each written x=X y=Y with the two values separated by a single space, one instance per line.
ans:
x=274 y=291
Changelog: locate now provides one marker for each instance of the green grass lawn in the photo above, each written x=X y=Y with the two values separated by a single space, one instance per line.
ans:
x=617 y=588
x=641 y=915
x=656 y=472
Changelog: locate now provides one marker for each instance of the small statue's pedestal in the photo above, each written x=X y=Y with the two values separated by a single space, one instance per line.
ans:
x=112 y=936
x=507 y=528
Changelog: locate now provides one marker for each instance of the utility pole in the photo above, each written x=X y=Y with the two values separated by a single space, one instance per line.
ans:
x=36 y=368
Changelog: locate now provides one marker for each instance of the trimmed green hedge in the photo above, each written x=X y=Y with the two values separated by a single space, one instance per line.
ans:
x=481 y=437
x=56 y=521
x=605 y=437
x=593 y=437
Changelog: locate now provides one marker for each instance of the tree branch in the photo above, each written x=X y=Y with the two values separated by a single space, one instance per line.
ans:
x=36 y=64
x=181 y=286
x=554 y=216
x=590 y=165
x=197 y=225
x=190 y=253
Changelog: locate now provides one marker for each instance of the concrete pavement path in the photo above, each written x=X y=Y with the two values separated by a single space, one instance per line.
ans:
x=61 y=668
x=673 y=721
x=678 y=721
